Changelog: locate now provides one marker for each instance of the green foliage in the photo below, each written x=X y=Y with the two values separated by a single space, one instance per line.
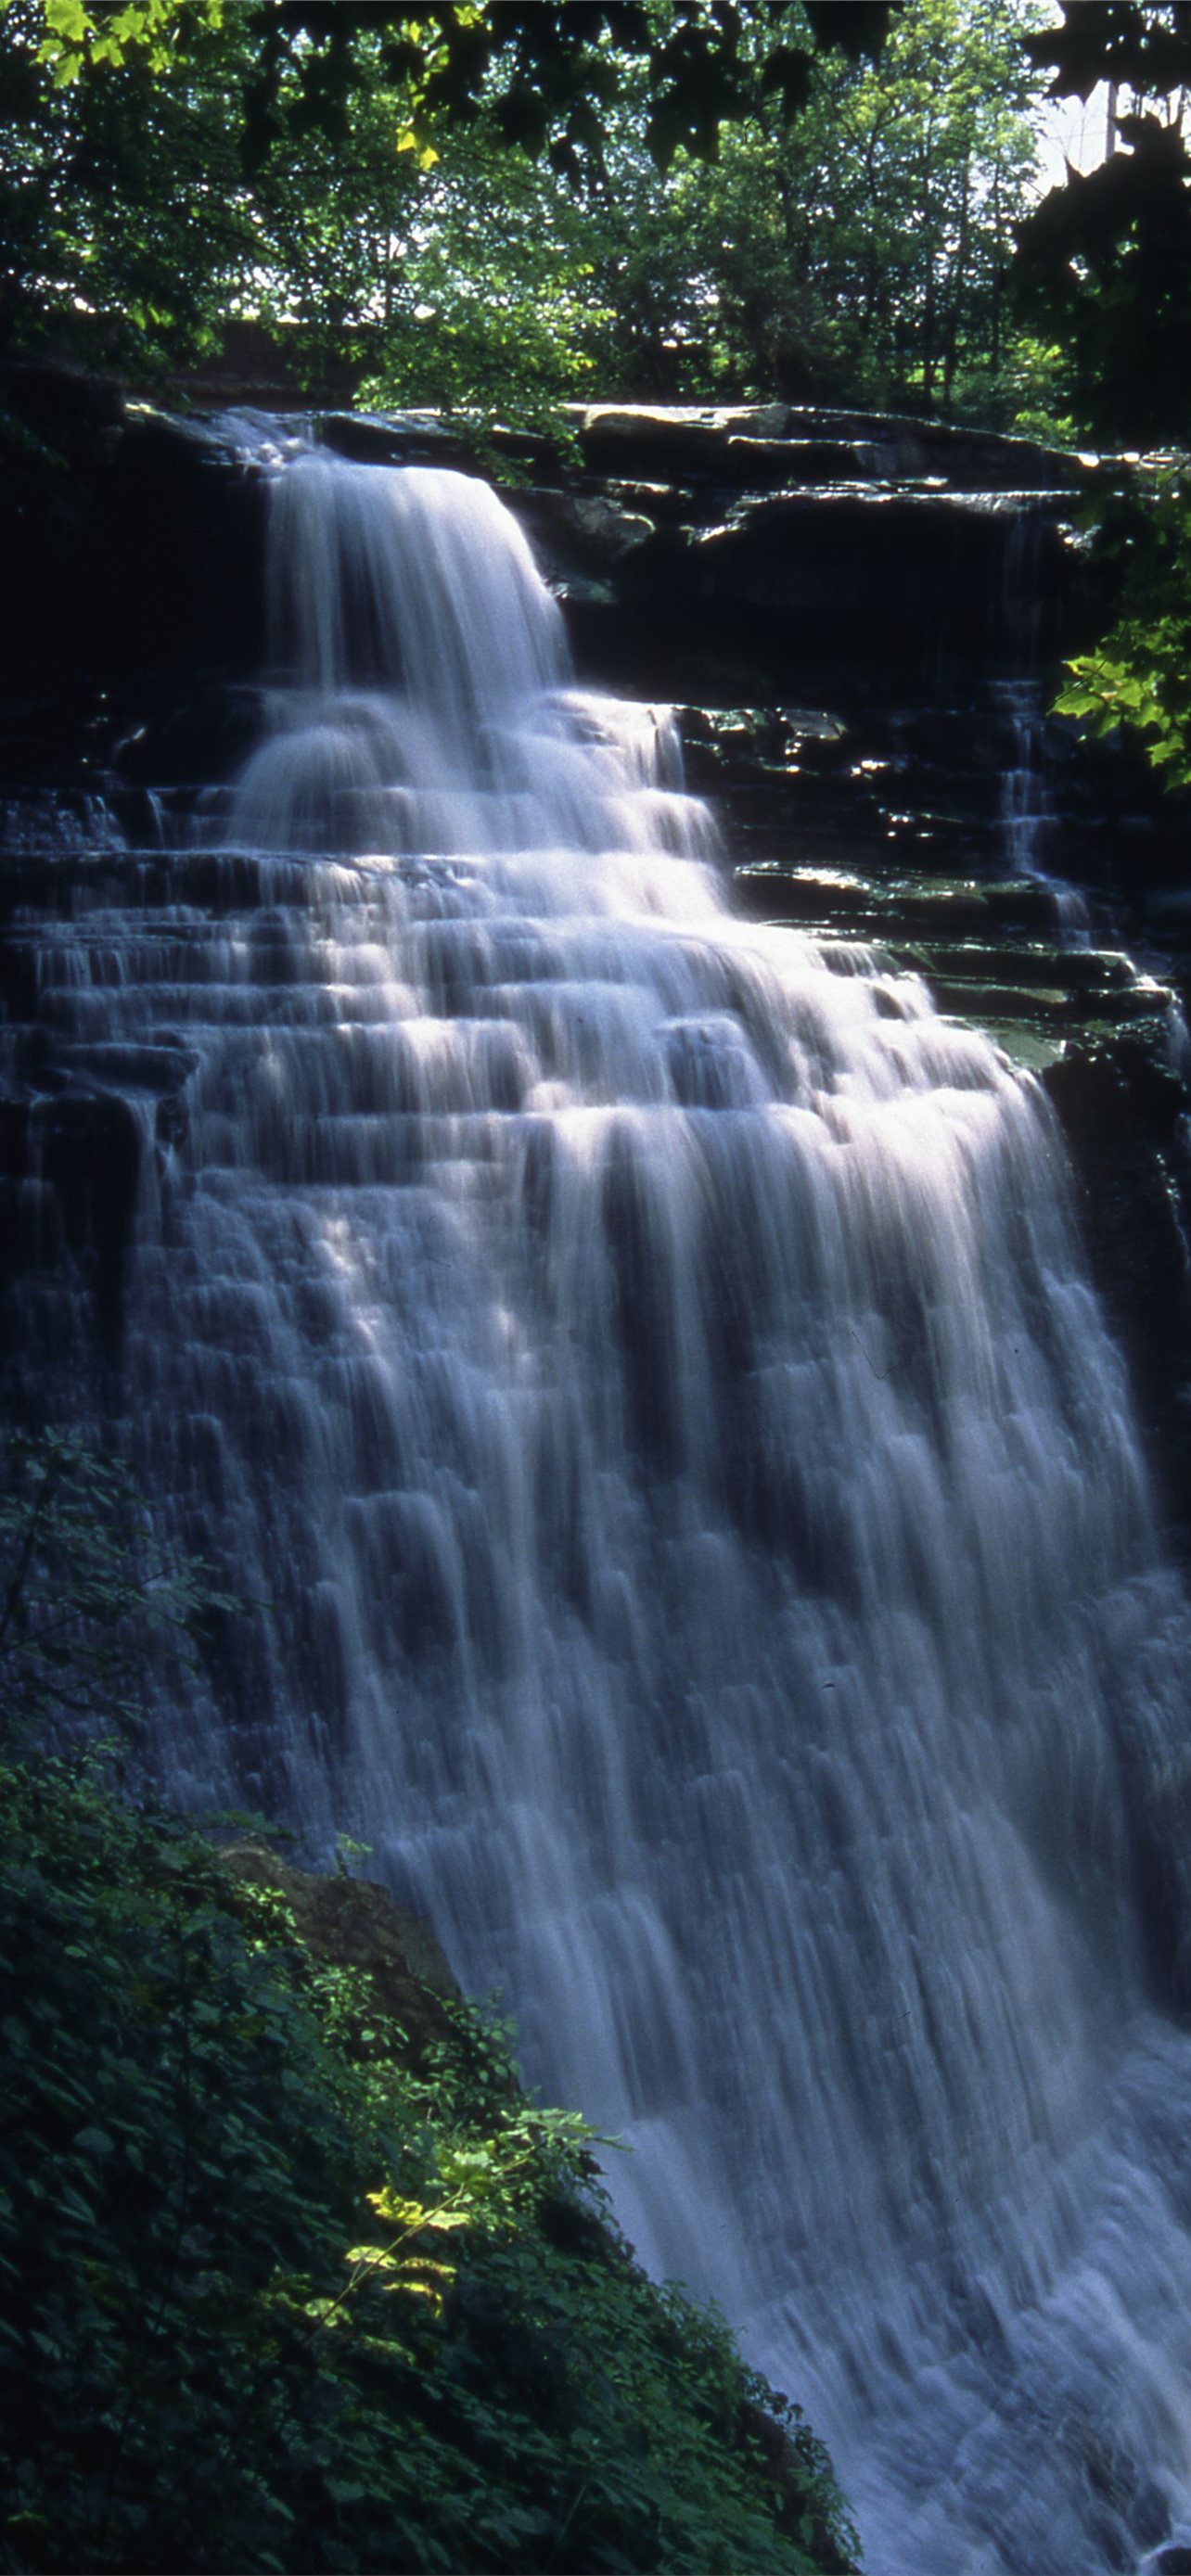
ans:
x=87 y=1591
x=124 y=223
x=855 y=251
x=549 y=70
x=278 y=2295
x=1139 y=677
x=479 y=203
x=77 y=39
x=1104 y=263
x=859 y=251
x=500 y=208
x=495 y=301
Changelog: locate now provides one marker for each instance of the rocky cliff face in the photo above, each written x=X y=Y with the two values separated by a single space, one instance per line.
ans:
x=860 y=618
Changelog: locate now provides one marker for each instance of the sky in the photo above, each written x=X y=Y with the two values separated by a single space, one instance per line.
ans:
x=1074 y=130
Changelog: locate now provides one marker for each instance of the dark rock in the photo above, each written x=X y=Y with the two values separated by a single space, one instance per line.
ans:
x=775 y=443
x=1123 y=1108
x=575 y=534
x=611 y=532
x=395 y=438
x=910 y=567
x=179 y=584
x=85 y=1152
x=678 y=439
x=757 y=463
x=203 y=739
x=900 y=908
x=134 y=542
x=354 y=1923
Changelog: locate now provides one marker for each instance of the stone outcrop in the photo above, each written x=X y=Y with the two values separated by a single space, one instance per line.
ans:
x=795 y=444
x=134 y=550
x=763 y=539
x=355 y=1923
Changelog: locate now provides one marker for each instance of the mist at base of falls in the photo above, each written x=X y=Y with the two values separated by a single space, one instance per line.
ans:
x=645 y=1361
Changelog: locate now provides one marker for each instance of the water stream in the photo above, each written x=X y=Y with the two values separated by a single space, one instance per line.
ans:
x=645 y=1360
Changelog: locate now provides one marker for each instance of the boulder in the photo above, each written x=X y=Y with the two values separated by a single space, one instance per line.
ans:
x=355 y=1923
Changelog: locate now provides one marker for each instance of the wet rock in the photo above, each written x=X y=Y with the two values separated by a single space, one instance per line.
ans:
x=758 y=463
x=678 y=439
x=179 y=586
x=203 y=739
x=576 y=535
x=898 y=908
x=911 y=567
x=396 y=438
x=1123 y=1107
x=83 y=1153
x=782 y=444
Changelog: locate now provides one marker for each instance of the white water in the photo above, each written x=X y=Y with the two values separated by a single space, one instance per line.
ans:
x=1027 y=803
x=646 y=1362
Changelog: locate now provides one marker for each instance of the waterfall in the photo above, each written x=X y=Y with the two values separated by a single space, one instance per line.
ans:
x=1026 y=801
x=643 y=1360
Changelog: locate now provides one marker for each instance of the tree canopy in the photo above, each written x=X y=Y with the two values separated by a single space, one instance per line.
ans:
x=661 y=195
x=512 y=203
x=1104 y=262
x=501 y=204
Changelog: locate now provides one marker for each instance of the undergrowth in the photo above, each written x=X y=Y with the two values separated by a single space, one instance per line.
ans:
x=280 y=2292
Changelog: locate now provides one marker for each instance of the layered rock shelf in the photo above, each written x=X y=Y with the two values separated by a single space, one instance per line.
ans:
x=860 y=618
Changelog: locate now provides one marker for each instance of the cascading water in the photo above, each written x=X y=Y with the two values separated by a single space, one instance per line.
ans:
x=644 y=1361
x=1026 y=804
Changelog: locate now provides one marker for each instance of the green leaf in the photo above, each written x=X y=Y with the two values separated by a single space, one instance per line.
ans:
x=94 y=2142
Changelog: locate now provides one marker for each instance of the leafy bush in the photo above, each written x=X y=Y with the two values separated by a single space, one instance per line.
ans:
x=1139 y=676
x=282 y=2291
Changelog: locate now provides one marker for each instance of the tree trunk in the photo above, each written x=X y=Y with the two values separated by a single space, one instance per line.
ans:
x=959 y=279
x=998 y=281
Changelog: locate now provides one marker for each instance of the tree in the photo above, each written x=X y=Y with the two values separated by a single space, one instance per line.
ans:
x=856 y=252
x=123 y=218
x=170 y=162
x=551 y=67
x=861 y=249
x=1104 y=263
x=1139 y=675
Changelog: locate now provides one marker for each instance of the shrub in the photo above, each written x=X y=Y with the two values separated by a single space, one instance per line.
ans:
x=282 y=2291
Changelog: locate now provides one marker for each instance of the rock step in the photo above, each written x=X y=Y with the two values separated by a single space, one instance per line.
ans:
x=998 y=1004
x=971 y=943
x=1077 y=970
x=749 y=443
x=781 y=891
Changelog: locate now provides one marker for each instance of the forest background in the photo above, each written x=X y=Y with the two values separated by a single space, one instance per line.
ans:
x=507 y=206
x=502 y=206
